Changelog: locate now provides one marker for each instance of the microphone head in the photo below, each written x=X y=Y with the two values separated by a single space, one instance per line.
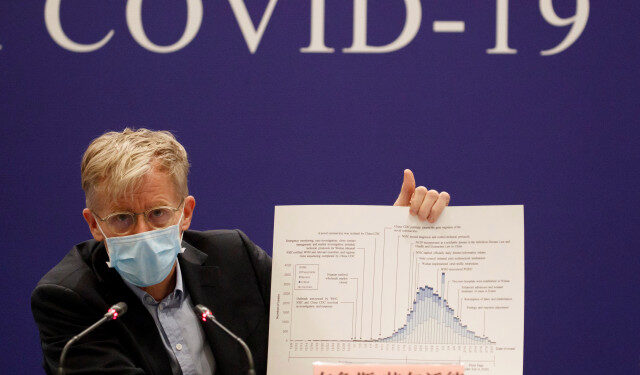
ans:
x=204 y=312
x=116 y=310
x=120 y=308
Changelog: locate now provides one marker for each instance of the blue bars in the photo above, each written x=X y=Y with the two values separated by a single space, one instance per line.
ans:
x=432 y=321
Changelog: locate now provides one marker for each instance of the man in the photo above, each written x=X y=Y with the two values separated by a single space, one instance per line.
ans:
x=139 y=211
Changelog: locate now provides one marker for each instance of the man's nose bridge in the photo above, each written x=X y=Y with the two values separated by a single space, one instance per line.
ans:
x=141 y=224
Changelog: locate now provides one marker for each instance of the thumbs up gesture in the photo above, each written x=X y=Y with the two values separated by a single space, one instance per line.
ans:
x=426 y=204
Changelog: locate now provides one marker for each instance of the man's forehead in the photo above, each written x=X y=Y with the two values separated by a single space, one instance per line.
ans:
x=138 y=204
x=140 y=200
x=152 y=191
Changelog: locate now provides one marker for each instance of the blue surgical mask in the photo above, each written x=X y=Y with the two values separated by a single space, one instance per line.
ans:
x=146 y=258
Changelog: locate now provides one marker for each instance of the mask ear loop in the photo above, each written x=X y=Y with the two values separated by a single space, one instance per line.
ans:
x=182 y=249
x=106 y=238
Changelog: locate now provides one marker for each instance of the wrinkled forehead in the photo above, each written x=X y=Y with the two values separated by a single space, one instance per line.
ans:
x=155 y=188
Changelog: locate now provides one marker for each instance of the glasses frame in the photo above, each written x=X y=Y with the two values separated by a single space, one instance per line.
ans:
x=135 y=217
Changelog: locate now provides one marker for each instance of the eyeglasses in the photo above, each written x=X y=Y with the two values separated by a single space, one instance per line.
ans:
x=122 y=223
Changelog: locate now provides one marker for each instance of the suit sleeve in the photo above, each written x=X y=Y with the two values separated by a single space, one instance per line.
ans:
x=61 y=313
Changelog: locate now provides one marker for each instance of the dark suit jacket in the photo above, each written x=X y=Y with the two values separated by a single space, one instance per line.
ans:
x=222 y=270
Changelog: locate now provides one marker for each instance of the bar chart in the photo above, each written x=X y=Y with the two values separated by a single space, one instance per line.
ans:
x=433 y=321
x=398 y=291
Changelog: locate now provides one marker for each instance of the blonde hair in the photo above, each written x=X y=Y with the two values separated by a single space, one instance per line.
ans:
x=115 y=163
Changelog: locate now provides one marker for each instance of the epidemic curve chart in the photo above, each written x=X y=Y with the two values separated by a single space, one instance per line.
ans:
x=369 y=284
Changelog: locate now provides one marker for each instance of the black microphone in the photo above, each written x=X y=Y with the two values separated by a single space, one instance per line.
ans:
x=113 y=313
x=205 y=314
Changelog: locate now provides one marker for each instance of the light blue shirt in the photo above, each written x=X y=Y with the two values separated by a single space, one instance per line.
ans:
x=180 y=329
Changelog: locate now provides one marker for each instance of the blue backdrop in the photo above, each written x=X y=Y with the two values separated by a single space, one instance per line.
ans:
x=556 y=133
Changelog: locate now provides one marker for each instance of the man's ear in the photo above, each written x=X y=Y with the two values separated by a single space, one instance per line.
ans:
x=187 y=211
x=93 y=224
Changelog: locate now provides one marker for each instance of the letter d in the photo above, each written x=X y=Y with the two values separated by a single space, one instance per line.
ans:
x=411 y=27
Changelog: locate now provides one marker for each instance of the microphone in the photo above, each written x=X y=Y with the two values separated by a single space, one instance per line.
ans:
x=113 y=313
x=205 y=314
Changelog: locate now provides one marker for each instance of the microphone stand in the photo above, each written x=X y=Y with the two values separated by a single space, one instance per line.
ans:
x=115 y=310
x=76 y=338
x=206 y=314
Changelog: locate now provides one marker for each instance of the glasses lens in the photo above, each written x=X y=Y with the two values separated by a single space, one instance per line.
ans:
x=121 y=223
x=160 y=217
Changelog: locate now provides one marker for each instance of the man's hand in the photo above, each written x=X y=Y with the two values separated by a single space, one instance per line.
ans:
x=427 y=204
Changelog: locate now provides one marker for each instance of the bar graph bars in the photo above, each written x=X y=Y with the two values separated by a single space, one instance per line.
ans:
x=432 y=321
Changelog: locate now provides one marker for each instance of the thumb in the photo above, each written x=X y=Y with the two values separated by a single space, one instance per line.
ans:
x=408 y=187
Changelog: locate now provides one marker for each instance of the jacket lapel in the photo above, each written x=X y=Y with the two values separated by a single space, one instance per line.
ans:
x=203 y=283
